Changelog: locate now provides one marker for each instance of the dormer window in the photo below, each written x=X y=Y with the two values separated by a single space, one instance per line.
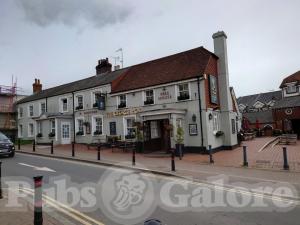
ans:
x=291 y=89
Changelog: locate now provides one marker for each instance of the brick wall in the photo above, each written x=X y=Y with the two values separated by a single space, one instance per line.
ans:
x=211 y=69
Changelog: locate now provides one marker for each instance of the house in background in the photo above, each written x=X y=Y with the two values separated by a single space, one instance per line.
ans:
x=286 y=112
x=181 y=90
x=257 y=109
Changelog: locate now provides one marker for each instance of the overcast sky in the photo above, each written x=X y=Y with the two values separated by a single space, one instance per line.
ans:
x=59 y=41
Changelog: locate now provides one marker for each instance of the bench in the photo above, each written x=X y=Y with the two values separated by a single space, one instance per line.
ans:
x=286 y=139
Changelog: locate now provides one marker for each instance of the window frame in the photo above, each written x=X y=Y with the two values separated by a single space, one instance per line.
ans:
x=20 y=115
x=62 y=104
x=78 y=125
x=188 y=91
x=291 y=86
x=29 y=107
x=77 y=102
x=30 y=134
x=20 y=130
x=145 y=97
x=51 y=126
x=125 y=126
x=94 y=125
x=119 y=101
x=43 y=103
x=216 y=121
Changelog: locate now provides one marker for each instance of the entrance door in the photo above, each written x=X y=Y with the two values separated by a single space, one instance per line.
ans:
x=296 y=127
x=156 y=137
x=65 y=133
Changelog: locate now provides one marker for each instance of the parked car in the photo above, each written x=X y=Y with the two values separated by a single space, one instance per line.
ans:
x=6 y=146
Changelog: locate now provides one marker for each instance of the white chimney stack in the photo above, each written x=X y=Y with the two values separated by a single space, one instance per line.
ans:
x=226 y=105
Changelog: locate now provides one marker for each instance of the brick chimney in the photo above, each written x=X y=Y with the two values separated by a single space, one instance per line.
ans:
x=103 y=66
x=36 y=86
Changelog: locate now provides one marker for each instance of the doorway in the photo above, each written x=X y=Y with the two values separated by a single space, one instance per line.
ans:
x=296 y=127
x=156 y=136
x=65 y=133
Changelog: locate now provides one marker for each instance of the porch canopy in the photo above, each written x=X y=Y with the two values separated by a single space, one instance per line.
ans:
x=160 y=114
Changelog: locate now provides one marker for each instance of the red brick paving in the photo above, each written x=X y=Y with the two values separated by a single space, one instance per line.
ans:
x=269 y=158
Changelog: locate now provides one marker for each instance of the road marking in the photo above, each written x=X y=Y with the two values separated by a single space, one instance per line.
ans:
x=133 y=169
x=46 y=169
x=233 y=189
x=65 y=207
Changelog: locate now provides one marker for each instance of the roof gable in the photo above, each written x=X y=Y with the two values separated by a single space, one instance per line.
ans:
x=292 y=78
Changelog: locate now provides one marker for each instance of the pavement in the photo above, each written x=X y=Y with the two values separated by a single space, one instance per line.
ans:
x=181 y=207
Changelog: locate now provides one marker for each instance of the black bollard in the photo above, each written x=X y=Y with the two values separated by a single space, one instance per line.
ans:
x=211 y=160
x=285 y=159
x=33 y=146
x=1 y=196
x=245 y=156
x=98 y=149
x=19 y=144
x=38 y=201
x=152 y=222
x=133 y=156
x=52 y=147
x=73 y=149
x=173 y=161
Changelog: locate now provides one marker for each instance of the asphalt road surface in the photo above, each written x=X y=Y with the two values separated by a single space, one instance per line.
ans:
x=117 y=196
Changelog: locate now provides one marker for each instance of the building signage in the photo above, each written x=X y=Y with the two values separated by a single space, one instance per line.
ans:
x=90 y=112
x=213 y=89
x=124 y=112
x=164 y=95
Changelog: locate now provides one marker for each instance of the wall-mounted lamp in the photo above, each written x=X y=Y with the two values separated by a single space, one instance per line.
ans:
x=194 y=118
x=210 y=116
x=164 y=88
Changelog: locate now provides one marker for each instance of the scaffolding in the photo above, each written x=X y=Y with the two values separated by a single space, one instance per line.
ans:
x=8 y=96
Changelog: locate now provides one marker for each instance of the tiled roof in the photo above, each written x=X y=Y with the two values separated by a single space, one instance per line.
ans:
x=261 y=116
x=291 y=78
x=181 y=66
x=86 y=83
x=264 y=98
x=287 y=102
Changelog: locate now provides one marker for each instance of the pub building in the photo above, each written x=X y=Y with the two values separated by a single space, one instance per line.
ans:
x=151 y=102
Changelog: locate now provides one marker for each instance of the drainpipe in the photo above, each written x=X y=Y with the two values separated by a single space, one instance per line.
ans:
x=200 y=109
x=74 y=132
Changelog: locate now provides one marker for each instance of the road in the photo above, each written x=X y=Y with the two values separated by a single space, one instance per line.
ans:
x=118 y=196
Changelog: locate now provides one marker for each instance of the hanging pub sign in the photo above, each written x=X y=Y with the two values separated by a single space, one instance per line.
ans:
x=213 y=89
x=101 y=101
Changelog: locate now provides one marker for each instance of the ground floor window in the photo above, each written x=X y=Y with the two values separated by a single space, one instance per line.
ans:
x=129 y=127
x=30 y=130
x=52 y=126
x=39 y=127
x=216 y=121
x=233 y=125
x=98 y=125
x=20 y=130
x=80 y=130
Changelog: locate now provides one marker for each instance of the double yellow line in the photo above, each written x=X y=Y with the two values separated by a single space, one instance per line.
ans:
x=72 y=213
